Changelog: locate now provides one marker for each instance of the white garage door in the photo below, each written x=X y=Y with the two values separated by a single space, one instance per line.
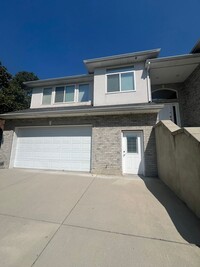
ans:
x=57 y=148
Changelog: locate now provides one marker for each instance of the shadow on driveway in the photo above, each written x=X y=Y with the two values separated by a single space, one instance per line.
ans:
x=185 y=221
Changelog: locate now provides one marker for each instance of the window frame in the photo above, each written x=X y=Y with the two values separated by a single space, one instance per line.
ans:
x=120 y=80
x=68 y=102
x=43 y=89
x=89 y=93
x=65 y=91
x=54 y=100
x=136 y=144
x=76 y=93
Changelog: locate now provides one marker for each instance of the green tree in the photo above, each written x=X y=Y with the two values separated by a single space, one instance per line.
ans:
x=13 y=98
x=23 y=76
x=5 y=77
x=13 y=95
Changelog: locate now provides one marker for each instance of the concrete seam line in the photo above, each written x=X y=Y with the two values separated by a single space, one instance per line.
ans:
x=62 y=222
x=27 y=218
x=129 y=235
x=78 y=201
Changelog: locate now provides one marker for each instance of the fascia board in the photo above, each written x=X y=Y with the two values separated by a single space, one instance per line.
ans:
x=173 y=60
x=58 y=81
x=86 y=112
x=91 y=64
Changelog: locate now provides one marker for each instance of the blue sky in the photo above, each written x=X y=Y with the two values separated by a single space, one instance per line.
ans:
x=51 y=38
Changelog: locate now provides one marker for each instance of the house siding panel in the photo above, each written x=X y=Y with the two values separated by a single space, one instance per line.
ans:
x=102 y=98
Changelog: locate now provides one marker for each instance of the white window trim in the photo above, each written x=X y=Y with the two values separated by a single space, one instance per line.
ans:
x=63 y=102
x=119 y=73
x=76 y=94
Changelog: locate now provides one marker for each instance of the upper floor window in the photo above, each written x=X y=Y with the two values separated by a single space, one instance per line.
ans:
x=84 y=92
x=46 y=100
x=72 y=93
x=65 y=94
x=120 y=80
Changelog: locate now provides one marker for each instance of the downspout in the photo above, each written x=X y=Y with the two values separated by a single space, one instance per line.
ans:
x=148 y=82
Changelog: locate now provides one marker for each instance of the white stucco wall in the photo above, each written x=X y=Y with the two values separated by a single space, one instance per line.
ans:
x=101 y=97
x=36 y=99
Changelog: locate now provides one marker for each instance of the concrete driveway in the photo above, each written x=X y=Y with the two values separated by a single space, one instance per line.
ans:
x=56 y=219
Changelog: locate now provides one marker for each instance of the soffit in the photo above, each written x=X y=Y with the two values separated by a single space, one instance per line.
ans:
x=172 y=69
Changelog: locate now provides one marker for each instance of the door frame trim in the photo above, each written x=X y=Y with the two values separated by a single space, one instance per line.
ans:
x=176 y=104
x=141 y=132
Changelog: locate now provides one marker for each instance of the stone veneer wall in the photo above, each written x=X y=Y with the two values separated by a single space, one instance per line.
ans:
x=5 y=148
x=191 y=100
x=106 y=139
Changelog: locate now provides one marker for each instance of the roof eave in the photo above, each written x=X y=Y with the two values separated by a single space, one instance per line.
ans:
x=104 y=61
x=164 y=60
x=57 y=81
x=86 y=112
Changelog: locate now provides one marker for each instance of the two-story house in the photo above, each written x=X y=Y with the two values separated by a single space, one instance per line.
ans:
x=101 y=122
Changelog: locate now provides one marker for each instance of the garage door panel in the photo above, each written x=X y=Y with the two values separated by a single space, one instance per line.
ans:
x=61 y=148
